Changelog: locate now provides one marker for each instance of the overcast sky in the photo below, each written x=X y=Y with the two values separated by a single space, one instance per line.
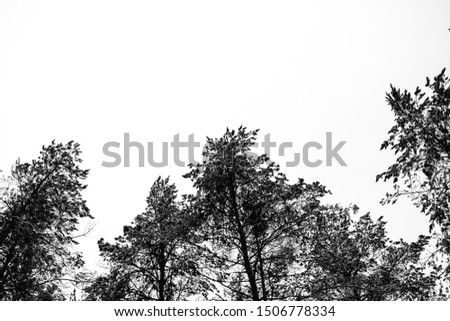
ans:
x=91 y=71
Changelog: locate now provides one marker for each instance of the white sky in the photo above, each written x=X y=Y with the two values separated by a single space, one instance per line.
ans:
x=92 y=70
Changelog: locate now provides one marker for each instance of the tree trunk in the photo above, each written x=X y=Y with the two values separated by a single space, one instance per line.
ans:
x=243 y=243
x=162 y=273
x=261 y=269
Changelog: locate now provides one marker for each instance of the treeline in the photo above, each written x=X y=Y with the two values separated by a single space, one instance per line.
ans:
x=247 y=233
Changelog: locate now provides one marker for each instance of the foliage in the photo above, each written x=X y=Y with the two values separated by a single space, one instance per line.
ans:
x=246 y=234
x=265 y=239
x=40 y=211
x=152 y=260
x=421 y=138
x=354 y=260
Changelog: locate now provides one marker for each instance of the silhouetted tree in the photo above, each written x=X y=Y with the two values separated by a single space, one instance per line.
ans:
x=152 y=260
x=40 y=209
x=421 y=139
x=354 y=260
x=248 y=213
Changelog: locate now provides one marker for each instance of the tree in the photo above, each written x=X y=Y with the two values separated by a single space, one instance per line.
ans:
x=354 y=260
x=246 y=213
x=152 y=260
x=421 y=138
x=40 y=210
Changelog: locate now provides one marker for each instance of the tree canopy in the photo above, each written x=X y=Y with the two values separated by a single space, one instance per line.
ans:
x=421 y=139
x=40 y=210
x=246 y=233
x=152 y=260
x=248 y=214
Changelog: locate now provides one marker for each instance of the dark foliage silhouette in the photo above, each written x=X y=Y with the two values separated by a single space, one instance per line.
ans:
x=249 y=214
x=246 y=233
x=421 y=139
x=40 y=210
x=353 y=259
x=153 y=259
